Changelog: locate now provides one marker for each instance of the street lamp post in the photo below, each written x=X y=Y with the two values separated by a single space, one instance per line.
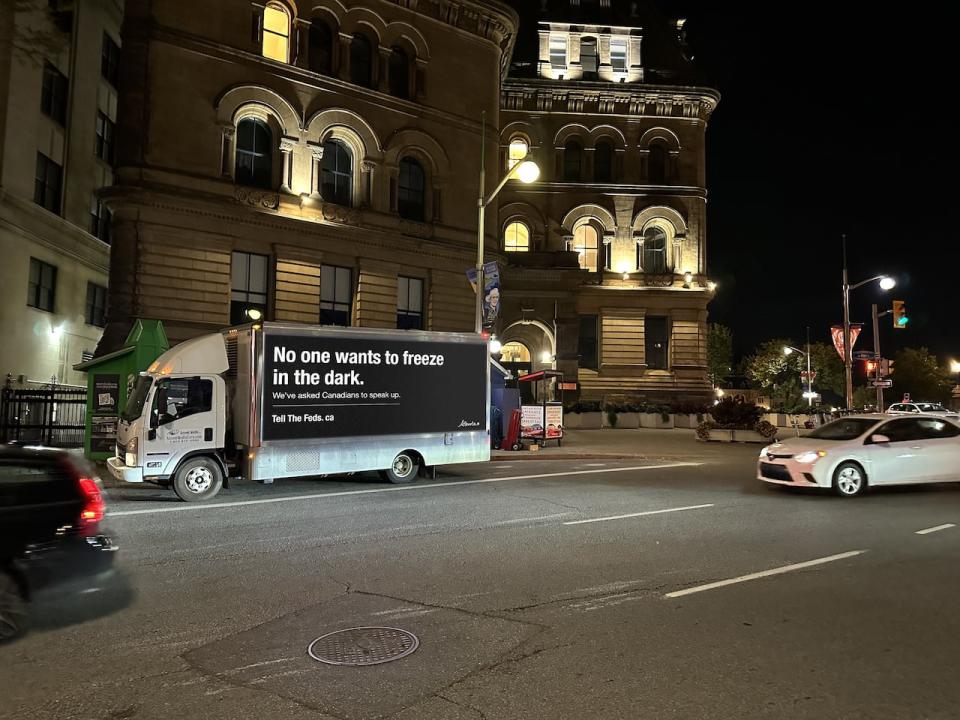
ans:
x=788 y=350
x=886 y=283
x=526 y=171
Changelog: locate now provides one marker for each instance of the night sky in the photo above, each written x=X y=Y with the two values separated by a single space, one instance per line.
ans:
x=832 y=121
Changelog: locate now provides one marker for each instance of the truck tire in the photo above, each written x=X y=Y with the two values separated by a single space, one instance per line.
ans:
x=198 y=478
x=404 y=469
x=13 y=609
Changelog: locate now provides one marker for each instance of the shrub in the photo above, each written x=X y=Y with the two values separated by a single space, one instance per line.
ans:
x=583 y=407
x=766 y=429
x=736 y=414
x=703 y=430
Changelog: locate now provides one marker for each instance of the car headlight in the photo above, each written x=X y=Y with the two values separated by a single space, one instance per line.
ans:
x=131 y=459
x=809 y=457
x=763 y=452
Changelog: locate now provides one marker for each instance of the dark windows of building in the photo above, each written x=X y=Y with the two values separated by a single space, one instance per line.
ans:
x=653 y=258
x=618 y=54
x=572 y=161
x=588 y=57
x=96 y=305
x=336 y=177
x=41 y=289
x=603 y=162
x=254 y=153
x=411 y=190
x=657 y=341
x=105 y=133
x=657 y=165
x=110 y=60
x=276 y=32
x=321 y=47
x=53 y=97
x=399 y=73
x=409 y=303
x=361 y=61
x=336 y=295
x=558 y=51
x=516 y=238
x=587 y=342
x=585 y=244
x=248 y=287
x=100 y=220
x=47 y=184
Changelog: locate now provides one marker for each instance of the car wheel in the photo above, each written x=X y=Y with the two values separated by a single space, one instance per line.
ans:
x=198 y=479
x=404 y=469
x=849 y=480
x=13 y=609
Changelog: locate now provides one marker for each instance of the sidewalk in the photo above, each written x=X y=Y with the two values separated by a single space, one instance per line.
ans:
x=631 y=444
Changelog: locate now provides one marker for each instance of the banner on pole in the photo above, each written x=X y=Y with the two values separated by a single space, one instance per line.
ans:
x=836 y=333
x=491 y=290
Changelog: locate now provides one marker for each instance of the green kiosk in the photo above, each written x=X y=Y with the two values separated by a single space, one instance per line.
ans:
x=109 y=380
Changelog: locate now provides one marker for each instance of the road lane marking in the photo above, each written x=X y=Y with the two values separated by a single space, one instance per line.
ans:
x=397 y=488
x=765 y=573
x=638 y=514
x=938 y=528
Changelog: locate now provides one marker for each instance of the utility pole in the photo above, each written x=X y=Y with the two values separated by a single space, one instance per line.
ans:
x=876 y=357
x=847 y=362
x=809 y=375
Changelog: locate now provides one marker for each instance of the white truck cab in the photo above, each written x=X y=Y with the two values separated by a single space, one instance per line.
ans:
x=173 y=427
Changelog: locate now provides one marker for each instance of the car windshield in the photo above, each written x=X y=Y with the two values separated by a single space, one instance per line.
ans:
x=931 y=407
x=138 y=397
x=843 y=429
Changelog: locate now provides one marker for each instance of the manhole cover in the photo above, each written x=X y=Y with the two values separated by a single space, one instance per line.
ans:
x=363 y=646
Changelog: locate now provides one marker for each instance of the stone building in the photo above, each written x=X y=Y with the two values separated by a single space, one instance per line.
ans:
x=58 y=103
x=319 y=162
x=606 y=256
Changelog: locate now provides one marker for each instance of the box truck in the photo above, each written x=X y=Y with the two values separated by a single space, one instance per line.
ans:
x=274 y=400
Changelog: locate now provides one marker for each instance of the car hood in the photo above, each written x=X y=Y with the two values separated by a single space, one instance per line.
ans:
x=795 y=446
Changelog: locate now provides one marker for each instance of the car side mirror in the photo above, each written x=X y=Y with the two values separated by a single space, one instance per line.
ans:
x=879 y=439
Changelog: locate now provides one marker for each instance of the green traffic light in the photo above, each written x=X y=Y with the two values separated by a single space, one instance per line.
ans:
x=903 y=321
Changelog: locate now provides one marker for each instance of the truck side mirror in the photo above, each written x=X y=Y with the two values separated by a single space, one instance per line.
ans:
x=152 y=434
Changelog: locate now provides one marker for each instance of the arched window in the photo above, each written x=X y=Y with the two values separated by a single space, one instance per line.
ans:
x=572 y=161
x=411 y=190
x=321 y=47
x=516 y=238
x=399 y=73
x=276 y=32
x=586 y=244
x=336 y=180
x=361 y=61
x=657 y=165
x=517 y=151
x=654 y=254
x=603 y=162
x=514 y=352
x=254 y=158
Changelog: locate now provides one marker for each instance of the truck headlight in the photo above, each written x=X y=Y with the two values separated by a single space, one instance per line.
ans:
x=131 y=459
x=809 y=457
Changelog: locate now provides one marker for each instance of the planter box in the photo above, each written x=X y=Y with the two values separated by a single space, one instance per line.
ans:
x=591 y=421
x=717 y=435
x=749 y=436
x=655 y=420
x=571 y=421
x=628 y=420
x=689 y=422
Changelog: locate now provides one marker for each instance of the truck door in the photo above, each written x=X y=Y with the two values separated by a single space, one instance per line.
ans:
x=183 y=418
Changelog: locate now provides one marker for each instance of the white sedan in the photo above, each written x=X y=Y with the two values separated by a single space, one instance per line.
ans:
x=915 y=408
x=866 y=450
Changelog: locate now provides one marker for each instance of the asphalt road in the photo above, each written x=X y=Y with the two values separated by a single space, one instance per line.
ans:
x=531 y=597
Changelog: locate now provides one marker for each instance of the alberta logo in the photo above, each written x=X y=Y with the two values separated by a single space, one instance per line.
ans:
x=469 y=423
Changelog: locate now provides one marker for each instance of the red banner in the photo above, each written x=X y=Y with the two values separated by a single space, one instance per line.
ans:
x=837 y=333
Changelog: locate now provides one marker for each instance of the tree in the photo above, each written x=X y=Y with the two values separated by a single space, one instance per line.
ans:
x=719 y=353
x=778 y=374
x=917 y=372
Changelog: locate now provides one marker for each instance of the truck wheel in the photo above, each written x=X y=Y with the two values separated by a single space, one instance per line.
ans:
x=13 y=610
x=403 y=470
x=198 y=478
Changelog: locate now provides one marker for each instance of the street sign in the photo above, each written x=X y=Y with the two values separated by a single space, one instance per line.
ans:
x=881 y=383
x=865 y=355
x=813 y=375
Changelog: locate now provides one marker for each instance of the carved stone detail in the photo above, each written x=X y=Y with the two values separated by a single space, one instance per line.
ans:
x=340 y=214
x=258 y=198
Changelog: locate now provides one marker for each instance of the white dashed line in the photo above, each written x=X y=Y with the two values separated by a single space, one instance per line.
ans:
x=638 y=514
x=938 y=528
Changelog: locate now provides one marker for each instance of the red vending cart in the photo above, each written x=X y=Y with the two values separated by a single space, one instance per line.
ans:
x=543 y=420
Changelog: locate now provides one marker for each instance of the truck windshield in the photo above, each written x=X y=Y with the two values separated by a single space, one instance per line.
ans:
x=138 y=397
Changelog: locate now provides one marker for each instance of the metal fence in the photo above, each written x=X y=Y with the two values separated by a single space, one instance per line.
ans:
x=52 y=416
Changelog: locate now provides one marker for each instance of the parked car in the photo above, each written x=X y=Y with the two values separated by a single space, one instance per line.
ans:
x=53 y=547
x=915 y=408
x=858 y=451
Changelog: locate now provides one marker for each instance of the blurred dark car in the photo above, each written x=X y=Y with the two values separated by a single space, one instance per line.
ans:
x=54 y=553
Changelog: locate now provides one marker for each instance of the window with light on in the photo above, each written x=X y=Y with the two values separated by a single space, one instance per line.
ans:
x=517 y=151
x=585 y=243
x=276 y=33
x=516 y=238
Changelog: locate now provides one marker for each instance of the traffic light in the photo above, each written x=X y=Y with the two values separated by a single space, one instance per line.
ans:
x=900 y=318
x=871 y=367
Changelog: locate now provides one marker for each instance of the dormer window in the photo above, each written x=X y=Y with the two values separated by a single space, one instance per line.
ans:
x=588 y=57
x=276 y=32
x=558 y=51
x=618 y=54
